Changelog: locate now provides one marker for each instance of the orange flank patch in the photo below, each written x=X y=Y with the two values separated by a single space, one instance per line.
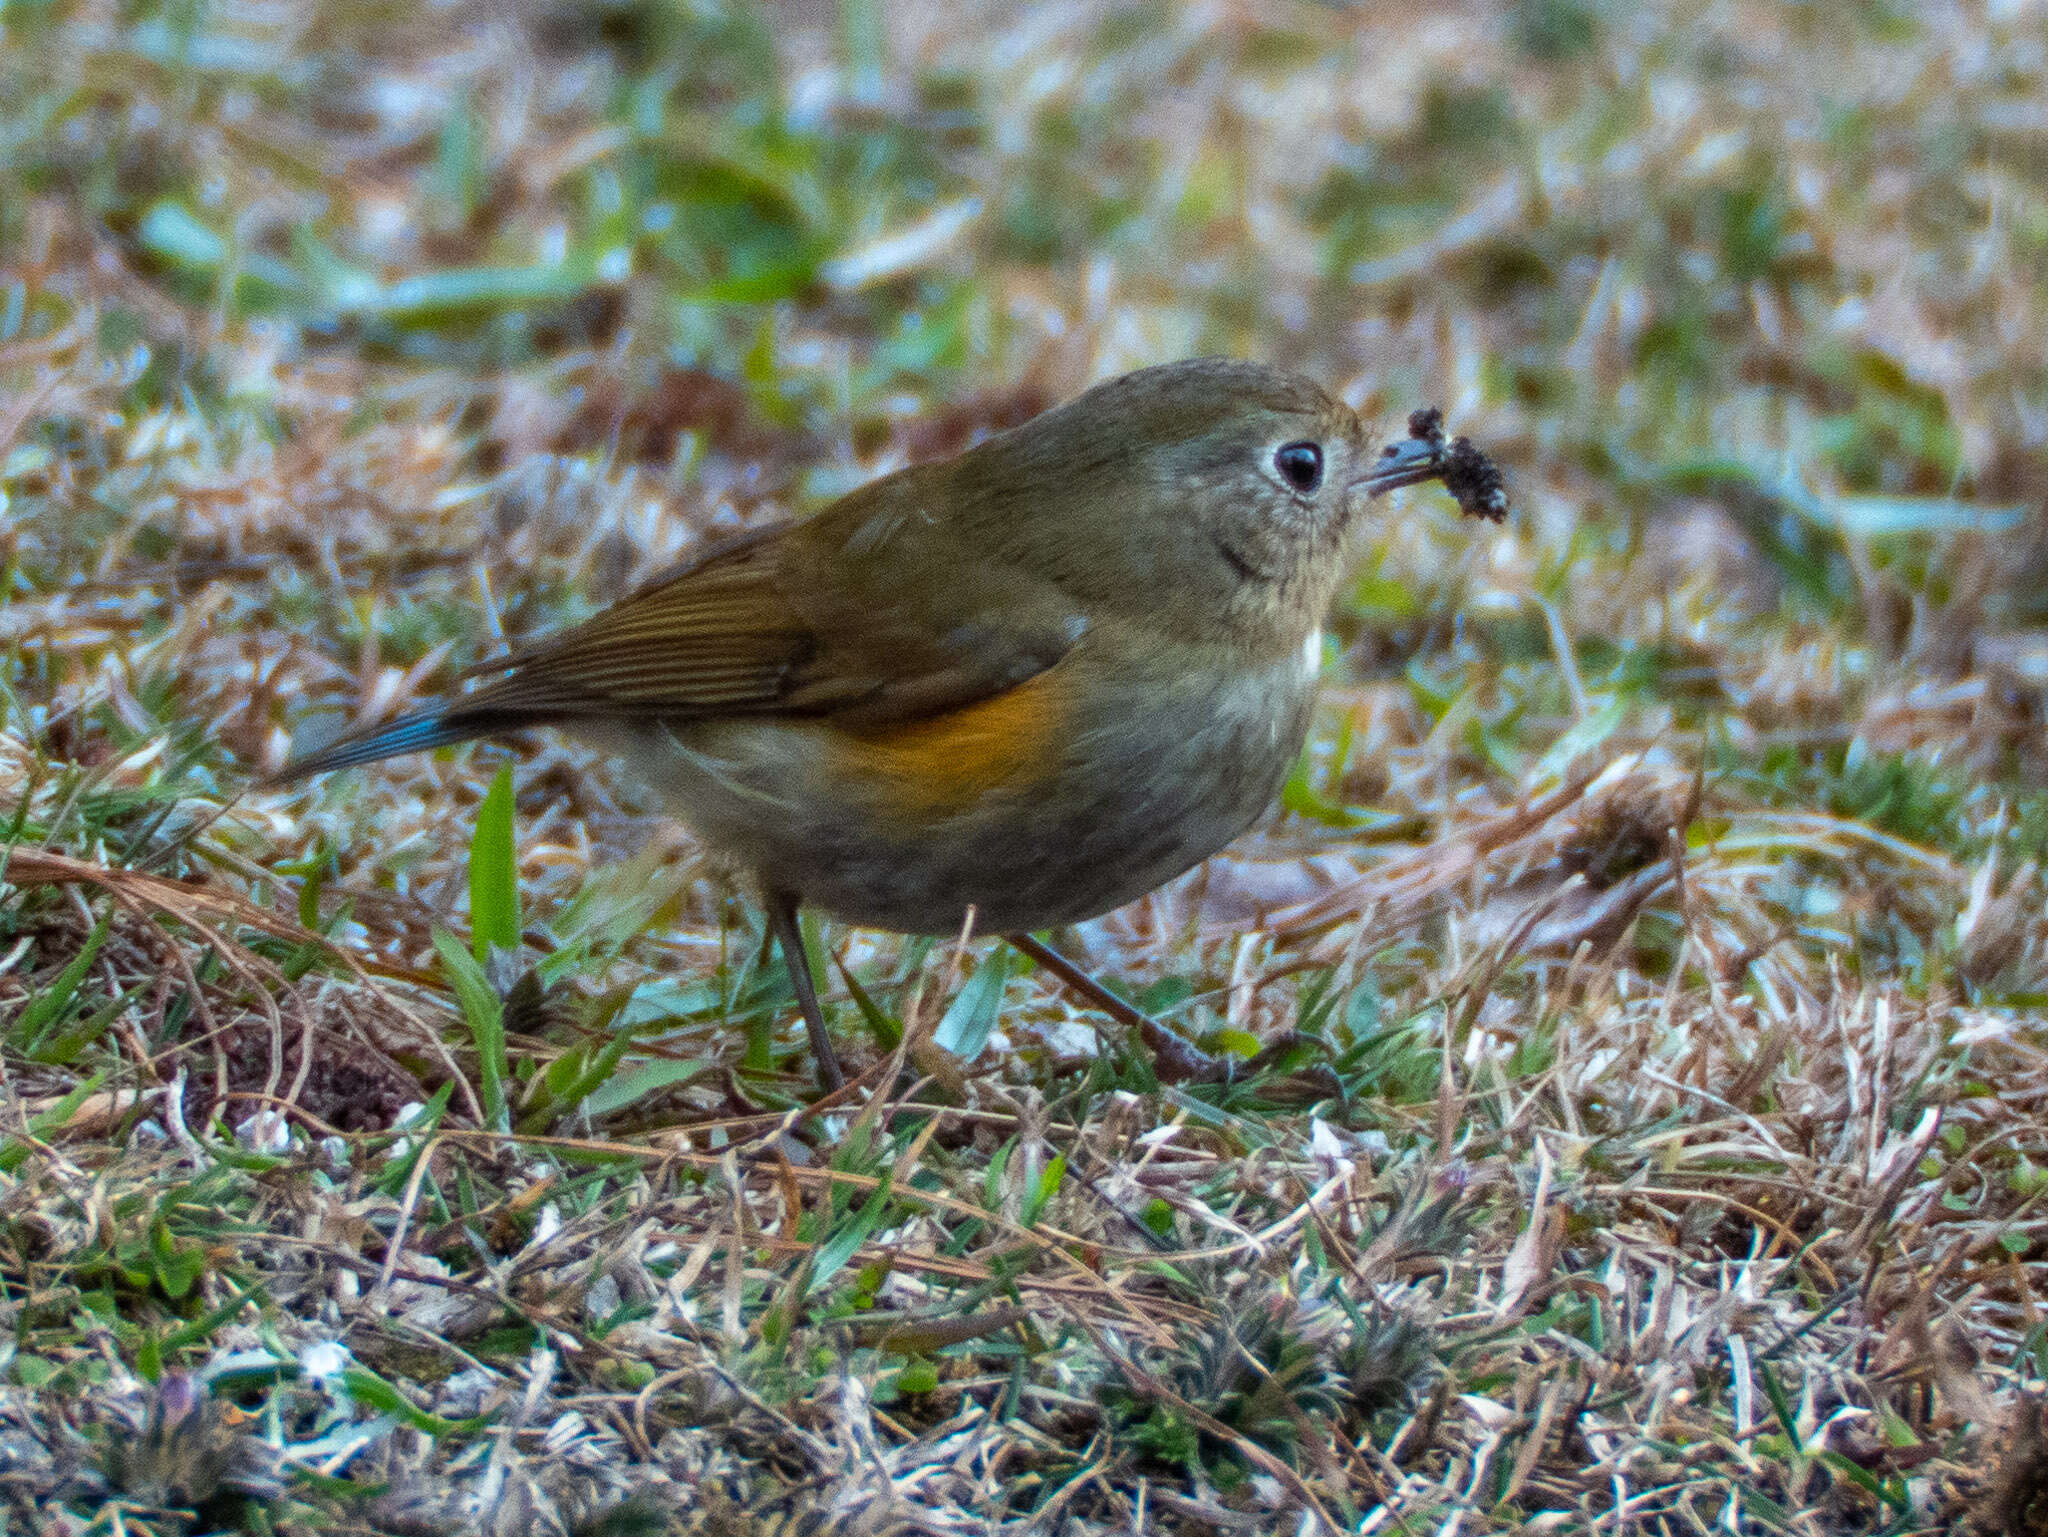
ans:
x=946 y=762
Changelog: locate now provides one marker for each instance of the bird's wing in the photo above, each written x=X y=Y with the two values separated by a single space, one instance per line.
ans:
x=878 y=614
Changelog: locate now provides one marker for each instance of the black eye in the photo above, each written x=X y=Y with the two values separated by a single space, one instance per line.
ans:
x=1300 y=465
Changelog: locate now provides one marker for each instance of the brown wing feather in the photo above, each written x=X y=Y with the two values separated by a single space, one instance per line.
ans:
x=816 y=619
x=720 y=635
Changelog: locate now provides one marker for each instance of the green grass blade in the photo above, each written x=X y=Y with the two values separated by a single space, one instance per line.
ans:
x=48 y=1006
x=494 y=872
x=971 y=1017
x=486 y=1017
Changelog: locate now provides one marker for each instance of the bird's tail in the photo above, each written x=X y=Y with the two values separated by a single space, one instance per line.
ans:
x=421 y=731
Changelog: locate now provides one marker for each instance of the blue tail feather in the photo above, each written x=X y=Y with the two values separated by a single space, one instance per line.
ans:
x=418 y=732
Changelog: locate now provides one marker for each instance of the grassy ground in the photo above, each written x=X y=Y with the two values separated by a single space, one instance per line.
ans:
x=1659 y=903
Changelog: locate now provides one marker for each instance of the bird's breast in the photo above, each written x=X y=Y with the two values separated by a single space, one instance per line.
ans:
x=1055 y=800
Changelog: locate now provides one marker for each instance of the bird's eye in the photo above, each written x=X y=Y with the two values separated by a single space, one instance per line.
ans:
x=1300 y=465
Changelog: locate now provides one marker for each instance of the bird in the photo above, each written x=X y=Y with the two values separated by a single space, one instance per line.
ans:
x=1037 y=679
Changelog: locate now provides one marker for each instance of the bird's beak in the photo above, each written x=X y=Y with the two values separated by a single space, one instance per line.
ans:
x=1407 y=463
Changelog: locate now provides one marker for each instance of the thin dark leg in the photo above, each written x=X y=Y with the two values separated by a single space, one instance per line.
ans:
x=782 y=921
x=1178 y=1060
x=1122 y=1010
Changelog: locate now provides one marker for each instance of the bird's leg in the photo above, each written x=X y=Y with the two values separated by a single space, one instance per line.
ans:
x=1177 y=1060
x=782 y=906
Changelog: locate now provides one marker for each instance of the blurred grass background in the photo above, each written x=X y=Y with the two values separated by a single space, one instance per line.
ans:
x=344 y=343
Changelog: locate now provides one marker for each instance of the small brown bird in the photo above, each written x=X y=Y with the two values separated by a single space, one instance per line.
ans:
x=1038 y=679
